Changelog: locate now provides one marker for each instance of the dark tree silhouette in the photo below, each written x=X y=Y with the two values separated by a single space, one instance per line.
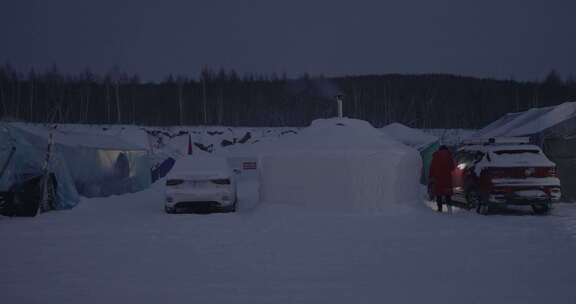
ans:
x=225 y=98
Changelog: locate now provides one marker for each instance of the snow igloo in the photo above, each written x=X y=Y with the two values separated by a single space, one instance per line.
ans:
x=343 y=164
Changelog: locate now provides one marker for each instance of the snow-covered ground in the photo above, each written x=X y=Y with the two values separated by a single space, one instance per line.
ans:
x=125 y=249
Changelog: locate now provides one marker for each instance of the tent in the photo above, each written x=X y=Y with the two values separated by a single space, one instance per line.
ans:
x=339 y=164
x=551 y=128
x=23 y=168
x=99 y=165
x=425 y=143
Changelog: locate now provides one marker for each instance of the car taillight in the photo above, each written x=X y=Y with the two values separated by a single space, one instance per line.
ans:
x=174 y=182
x=552 y=172
x=223 y=181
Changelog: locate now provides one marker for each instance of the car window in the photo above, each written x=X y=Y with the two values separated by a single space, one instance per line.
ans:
x=477 y=157
x=458 y=157
x=470 y=158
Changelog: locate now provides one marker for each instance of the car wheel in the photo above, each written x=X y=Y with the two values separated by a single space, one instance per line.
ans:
x=231 y=208
x=473 y=198
x=476 y=200
x=541 y=209
x=483 y=208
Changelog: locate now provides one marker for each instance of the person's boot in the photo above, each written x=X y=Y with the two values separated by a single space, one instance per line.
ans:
x=448 y=203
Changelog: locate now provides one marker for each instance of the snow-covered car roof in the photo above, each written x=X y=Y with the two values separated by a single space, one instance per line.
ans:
x=519 y=160
x=507 y=160
x=497 y=147
x=203 y=167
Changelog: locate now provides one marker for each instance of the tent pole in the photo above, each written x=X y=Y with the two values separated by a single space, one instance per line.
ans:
x=5 y=167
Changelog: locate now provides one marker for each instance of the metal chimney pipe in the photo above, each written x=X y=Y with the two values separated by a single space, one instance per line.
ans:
x=339 y=101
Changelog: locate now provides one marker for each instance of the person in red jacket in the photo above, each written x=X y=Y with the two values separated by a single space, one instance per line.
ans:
x=441 y=176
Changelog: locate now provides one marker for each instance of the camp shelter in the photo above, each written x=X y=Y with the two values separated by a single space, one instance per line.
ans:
x=100 y=165
x=339 y=164
x=425 y=143
x=27 y=162
x=553 y=129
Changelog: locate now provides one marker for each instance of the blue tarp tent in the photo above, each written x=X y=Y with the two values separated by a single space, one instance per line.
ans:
x=100 y=165
x=94 y=165
x=28 y=162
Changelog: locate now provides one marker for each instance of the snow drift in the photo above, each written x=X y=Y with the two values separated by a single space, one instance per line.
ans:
x=340 y=164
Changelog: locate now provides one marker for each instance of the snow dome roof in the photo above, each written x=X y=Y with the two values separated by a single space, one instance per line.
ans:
x=337 y=134
x=326 y=134
x=409 y=136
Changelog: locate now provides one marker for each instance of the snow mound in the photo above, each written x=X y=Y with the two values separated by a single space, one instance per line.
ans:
x=340 y=164
x=409 y=136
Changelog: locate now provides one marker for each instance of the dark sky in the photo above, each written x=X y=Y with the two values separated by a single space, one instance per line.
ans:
x=493 y=38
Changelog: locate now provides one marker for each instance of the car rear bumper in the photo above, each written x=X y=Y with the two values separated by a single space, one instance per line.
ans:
x=516 y=196
x=522 y=201
x=199 y=206
x=218 y=199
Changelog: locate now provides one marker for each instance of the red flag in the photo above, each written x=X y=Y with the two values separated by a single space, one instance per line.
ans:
x=189 y=144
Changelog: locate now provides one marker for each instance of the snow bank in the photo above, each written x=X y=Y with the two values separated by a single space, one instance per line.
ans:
x=216 y=140
x=340 y=164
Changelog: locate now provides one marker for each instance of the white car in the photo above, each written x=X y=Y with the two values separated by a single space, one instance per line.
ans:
x=200 y=184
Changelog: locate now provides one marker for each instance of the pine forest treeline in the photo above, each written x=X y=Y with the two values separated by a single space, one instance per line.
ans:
x=225 y=98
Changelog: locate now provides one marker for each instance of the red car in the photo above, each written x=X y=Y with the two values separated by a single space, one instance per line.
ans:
x=504 y=171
